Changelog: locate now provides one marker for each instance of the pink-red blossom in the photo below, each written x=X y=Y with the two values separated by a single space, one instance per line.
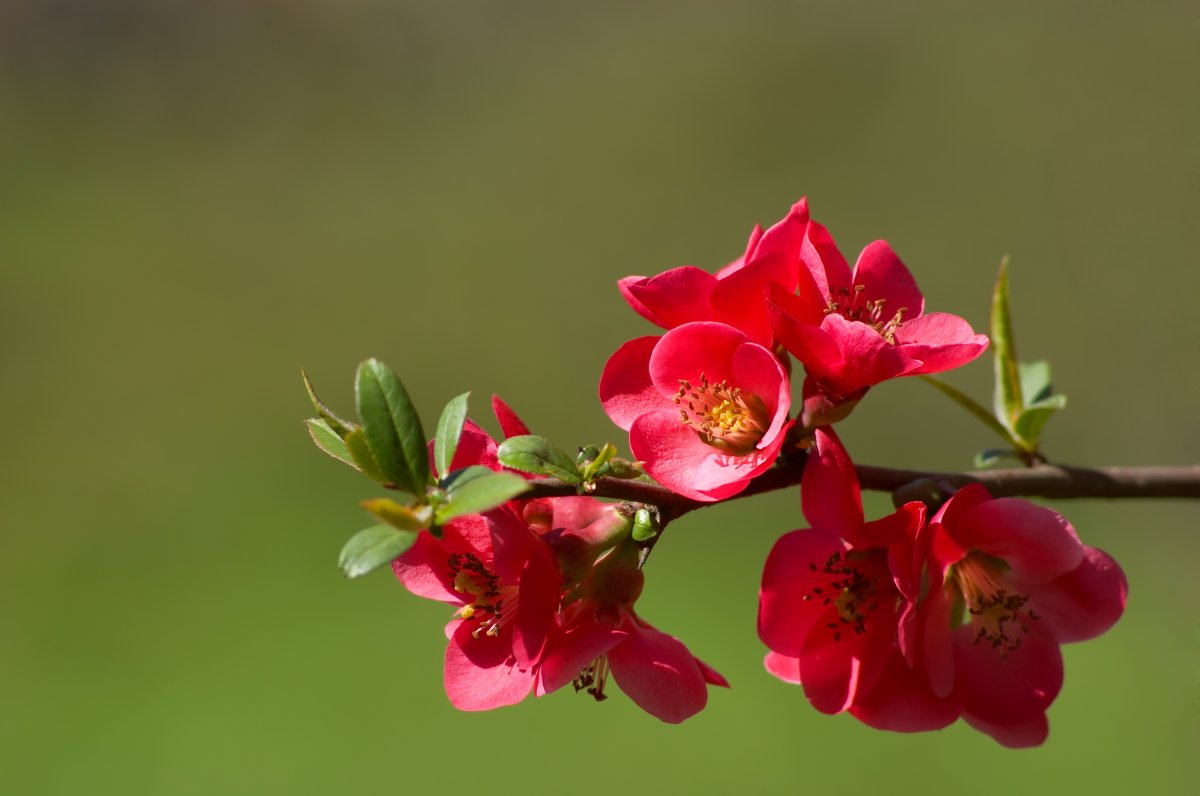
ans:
x=736 y=294
x=854 y=328
x=1009 y=581
x=705 y=406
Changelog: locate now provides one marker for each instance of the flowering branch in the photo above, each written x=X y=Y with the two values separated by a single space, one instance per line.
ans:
x=1047 y=481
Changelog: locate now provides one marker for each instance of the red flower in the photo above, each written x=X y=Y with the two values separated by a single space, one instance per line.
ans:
x=854 y=329
x=737 y=294
x=832 y=594
x=705 y=407
x=601 y=635
x=1009 y=582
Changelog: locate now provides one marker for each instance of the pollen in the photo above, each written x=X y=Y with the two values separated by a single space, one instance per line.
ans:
x=593 y=679
x=850 y=304
x=998 y=615
x=487 y=602
x=724 y=416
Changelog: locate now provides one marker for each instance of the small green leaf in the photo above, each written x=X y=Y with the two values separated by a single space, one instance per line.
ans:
x=971 y=405
x=328 y=440
x=1007 y=399
x=356 y=443
x=1035 y=381
x=339 y=426
x=537 y=455
x=480 y=494
x=596 y=464
x=406 y=518
x=392 y=427
x=449 y=431
x=993 y=456
x=623 y=468
x=464 y=474
x=1029 y=424
x=372 y=548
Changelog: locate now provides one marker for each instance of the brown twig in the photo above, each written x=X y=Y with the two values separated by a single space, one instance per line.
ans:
x=1044 y=480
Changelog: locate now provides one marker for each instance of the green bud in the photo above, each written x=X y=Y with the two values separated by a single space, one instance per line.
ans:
x=644 y=526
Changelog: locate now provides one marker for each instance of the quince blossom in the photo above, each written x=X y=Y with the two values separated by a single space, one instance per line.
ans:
x=737 y=293
x=705 y=406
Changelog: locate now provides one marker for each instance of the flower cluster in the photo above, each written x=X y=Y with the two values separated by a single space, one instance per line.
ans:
x=545 y=592
x=907 y=622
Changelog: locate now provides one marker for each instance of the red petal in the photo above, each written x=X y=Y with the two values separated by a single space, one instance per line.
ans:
x=658 y=673
x=758 y=372
x=537 y=605
x=836 y=664
x=866 y=358
x=424 y=571
x=692 y=350
x=676 y=457
x=829 y=492
x=785 y=668
x=1085 y=602
x=941 y=341
x=884 y=276
x=625 y=286
x=785 y=617
x=1017 y=735
x=901 y=701
x=820 y=255
x=937 y=651
x=626 y=391
x=510 y=424
x=481 y=673
x=675 y=297
x=1038 y=544
x=1008 y=688
x=569 y=652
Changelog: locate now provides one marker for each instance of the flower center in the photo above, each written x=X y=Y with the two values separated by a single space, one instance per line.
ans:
x=850 y=590
x=723 y=416
x=593 y=678
x=491 y=604
x=998 y=616
x=849 y=303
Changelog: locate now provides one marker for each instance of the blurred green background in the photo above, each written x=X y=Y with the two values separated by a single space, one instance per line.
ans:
x=198 y=199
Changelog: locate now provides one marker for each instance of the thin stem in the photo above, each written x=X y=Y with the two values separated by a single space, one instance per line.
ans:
x=1043 y=480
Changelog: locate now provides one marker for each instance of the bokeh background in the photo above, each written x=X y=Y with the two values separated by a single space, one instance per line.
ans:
x=198 y=199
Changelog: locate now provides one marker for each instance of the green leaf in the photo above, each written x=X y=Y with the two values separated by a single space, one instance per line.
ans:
x=356 y=443
x=1035 y=381
x=406 y=518
x=994 y=456
x=1029 y=424
x=328 y=440
x=972 y=406
x=372 y=548
x=339 y=426
x=392 y=427
x=595 y=465
x=1007 y=400
x=480 y=494
x=464 y=474
x=449 y=431
x=537 y=455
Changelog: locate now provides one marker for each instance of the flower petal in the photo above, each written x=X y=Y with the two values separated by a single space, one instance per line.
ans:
x=675 y=297
x=786 y=610
x=829 y=492
x=941 y=341
x=1038 y=544
x=481 y=673
x=626 y=391
x=537 y=605
x=693 y=350
x=625 y=286
x=758 y=372
x=1007 y=687
x=1085 y=602
x=837 y=664
x=569 y=652
x=424 y=571
x=866 y=357
x=884 y=276
x=658 y=673
x=901 y=701
x=1017 y=735
x=510 y=423
x=676 y=457
x=784 y=667
x=820 y=255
